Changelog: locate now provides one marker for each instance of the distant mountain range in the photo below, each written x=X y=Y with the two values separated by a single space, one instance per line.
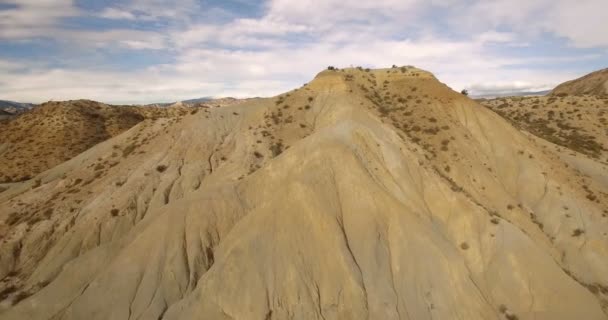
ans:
x=205 y=101
x=186 y=102
x=198 y=100
x=12 y=107
x=511 y=94
x=9 y=108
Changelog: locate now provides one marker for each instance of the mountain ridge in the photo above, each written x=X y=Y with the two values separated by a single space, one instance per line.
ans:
x=62 y=130
x=13 y=107
x=594 y=83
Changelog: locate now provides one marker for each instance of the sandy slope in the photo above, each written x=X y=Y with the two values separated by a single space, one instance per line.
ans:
x=578 y=123
x=595 y=83
x=54 y=132
x=362 y=195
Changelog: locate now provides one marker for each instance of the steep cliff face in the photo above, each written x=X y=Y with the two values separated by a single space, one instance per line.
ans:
x=376 y=194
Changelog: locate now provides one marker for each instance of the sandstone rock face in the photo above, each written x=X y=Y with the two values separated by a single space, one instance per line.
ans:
x=374 y=194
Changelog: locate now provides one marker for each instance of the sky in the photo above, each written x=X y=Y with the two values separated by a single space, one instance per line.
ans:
x=147 y=51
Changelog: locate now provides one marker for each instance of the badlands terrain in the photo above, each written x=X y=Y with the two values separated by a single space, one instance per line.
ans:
x=364 y=194
x=577 y=123
x=57 y=131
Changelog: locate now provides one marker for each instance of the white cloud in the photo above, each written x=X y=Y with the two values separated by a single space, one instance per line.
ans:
x=238 y=33
x=35 y=13
x=582 y=22
x=496 y=37
x=113 y=13
x=132 y=39
x=506 y=88
x=259 y=56
x=242 y=73
x=326 y=12
x=116 y=38
x=6 y=66
x=121 y=87
x=31 y=18
x=154 y=9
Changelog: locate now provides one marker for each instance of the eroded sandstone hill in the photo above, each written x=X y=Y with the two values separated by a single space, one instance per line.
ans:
x=578 y=123
x=365 y=194
x=55 y=132
x=595 y=83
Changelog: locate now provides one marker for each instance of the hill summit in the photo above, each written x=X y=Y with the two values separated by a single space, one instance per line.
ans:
x=364 y=194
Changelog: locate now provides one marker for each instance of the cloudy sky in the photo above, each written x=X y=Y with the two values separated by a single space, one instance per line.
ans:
x=140 y=51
